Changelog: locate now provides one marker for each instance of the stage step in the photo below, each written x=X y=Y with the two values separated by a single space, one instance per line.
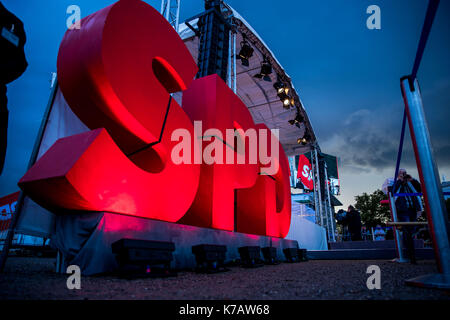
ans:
x=365 y=254
x=386 y=244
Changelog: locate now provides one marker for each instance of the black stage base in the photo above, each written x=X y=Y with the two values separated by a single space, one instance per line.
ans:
x=94 y=253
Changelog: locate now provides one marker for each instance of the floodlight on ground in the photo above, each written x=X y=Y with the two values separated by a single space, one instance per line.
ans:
x=210 y=258
x=250 y=256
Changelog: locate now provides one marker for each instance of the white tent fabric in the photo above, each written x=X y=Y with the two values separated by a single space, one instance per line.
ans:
x=309 y=235
x=303 y=229
x=62 y=122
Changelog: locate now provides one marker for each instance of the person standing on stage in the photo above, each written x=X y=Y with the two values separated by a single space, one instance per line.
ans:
x=12 y=64
x=408 y=206
x=354 y=223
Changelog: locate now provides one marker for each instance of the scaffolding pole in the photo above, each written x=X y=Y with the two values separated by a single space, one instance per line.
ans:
x=330 y=211
x=431 y=186
x=317 y=192
x=170 y=9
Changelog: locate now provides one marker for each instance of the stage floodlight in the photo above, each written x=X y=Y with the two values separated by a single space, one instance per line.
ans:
x=307 y=136
x=286 y=103
x=143 y=258
x=305 y=140
x=270 y=255
x=283 y=94
x=245 y=53
x=210 y=258
x=250 y=256
x=297 y=120
x=302 y=141
x=303 y=255
x=266 y=70
x=291 y=254
x=279 y=86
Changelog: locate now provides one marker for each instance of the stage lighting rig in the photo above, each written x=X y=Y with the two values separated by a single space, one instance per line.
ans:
x=283 y=93
x=266 y=70
x=284 y=97
x=279 y=86
x=286 y=103
x=305 y=140
x=307 y=137
x=297 y=120
x=292 y=102
x=246 y=52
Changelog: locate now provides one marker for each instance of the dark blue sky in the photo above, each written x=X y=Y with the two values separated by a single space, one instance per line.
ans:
x=347 y=76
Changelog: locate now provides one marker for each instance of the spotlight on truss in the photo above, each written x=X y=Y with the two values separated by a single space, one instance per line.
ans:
x=246 y=52
x=279 y=86
x=297 y=120
x=266 y=70
x=305 y=140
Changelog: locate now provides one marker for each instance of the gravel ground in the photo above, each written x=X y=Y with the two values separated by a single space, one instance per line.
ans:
x=34 y=278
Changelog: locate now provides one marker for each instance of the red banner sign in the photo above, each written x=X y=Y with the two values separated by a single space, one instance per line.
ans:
x=304 y=172
x=7 y=208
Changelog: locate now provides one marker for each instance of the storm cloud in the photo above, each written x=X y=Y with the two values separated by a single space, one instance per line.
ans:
x=368 y=140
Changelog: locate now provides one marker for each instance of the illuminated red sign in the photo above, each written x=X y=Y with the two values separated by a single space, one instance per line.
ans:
x=117 y=73
x=7 y=208
x=304 y=172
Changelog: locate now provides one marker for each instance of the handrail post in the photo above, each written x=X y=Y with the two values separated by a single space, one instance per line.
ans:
x=430 y=183
x=397 y=235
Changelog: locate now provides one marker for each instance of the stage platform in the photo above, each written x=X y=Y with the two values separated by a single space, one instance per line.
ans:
x=368 y=244
x=365 y=254
x=85 y=240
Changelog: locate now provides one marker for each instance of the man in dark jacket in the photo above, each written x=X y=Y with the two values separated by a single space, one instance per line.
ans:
x=353 y=219
x=408 y=208
x=12 y=65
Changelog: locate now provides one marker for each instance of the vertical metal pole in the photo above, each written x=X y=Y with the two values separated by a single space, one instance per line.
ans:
x=316 y=206
x=177 y=19
x=428 y=173
x=162 y=7
x=330 y=213
x=15 y=216
x=230 y=67
x=397 y=234
x=167 y=16
x=294 y=171
x=234 y=63
x=291 y=161
x=318 y=186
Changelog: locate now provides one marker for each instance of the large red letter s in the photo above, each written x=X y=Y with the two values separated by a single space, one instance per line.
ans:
x=116 y=73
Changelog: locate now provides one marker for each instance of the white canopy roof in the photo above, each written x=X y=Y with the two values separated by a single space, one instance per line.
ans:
x=260 y=96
